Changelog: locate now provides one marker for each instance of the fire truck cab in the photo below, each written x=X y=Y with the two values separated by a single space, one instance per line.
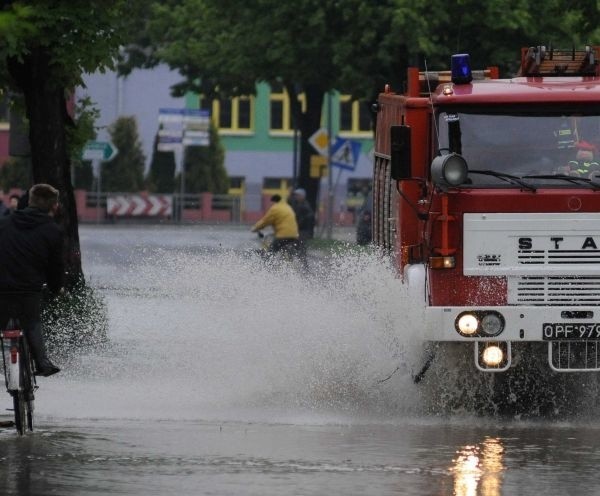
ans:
x=486 y=191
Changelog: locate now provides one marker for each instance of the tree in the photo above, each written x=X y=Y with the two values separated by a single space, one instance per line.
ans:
x=161 y=175
x=14 y=173
x=492 y=32
x=204 y=166
x=223 y=47
x=83 y=175
x=125 y=172
x=46 y=46
x=85 y=118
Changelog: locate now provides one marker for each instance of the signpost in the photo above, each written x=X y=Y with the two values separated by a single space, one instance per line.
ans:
x=178 y=128
x=98 y=152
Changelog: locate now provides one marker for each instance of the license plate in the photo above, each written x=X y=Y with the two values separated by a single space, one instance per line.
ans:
x=571 y=331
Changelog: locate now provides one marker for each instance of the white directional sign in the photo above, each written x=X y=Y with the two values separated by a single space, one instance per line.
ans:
x=345 y=153
x=181 y=127
x=99 y=150
x=195 y=127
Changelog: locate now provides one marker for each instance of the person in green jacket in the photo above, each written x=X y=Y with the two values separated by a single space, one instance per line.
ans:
x=283 y=220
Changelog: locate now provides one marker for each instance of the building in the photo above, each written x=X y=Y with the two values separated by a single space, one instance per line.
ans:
x=258 y=135
x=256 y=131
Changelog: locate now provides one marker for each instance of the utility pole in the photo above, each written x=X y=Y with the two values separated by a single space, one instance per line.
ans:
x=182 y=184
x=329 y=171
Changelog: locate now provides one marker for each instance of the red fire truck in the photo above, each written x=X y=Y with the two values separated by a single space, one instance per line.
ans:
x=486 y=192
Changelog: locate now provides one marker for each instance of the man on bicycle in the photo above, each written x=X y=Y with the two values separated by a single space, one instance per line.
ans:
x=31 y=256
x=281 y=216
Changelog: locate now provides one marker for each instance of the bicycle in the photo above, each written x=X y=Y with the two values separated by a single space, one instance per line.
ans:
x=18 y=375
x=288 y=256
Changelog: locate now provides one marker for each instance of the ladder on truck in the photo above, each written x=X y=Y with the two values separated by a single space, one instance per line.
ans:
x=423 y=83
x=548 y=61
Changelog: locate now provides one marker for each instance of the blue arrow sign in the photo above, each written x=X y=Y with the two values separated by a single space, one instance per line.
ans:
x=345 y=153
x=99 y=150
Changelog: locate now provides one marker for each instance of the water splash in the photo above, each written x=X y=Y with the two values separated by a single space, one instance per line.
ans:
x=210 y=333
x=213 y=334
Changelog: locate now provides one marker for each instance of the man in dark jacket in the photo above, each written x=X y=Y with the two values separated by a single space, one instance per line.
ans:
x=306 y=221
x=31 y=256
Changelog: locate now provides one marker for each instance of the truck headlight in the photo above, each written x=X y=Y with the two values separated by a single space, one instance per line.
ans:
x=467 y=324
x=492 y=324
x=492 y=356
x=480 y=323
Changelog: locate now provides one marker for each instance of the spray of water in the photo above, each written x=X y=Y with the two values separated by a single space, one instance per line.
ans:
x=207 y=333
x=201 y=335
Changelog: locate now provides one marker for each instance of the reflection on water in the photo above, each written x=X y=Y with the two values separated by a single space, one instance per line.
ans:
x=478 y=469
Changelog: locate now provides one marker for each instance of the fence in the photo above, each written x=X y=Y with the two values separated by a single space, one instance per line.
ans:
x=203 y=207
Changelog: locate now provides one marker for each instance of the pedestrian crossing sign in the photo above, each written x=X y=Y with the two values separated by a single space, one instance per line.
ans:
x=345 y=153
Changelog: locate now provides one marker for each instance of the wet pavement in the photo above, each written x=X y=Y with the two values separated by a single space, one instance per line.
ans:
x=223 y=377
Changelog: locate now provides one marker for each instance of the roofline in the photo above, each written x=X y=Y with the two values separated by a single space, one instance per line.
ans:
x=522 y=90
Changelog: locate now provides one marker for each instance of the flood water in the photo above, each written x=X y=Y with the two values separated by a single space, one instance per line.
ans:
x=224 y=377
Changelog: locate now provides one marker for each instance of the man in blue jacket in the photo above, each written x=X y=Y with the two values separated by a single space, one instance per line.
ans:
x=30 y=257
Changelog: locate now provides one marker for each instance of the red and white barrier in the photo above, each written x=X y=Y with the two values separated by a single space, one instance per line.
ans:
x=139 y=206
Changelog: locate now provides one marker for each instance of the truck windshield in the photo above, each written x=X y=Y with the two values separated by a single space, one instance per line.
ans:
x=524 y=145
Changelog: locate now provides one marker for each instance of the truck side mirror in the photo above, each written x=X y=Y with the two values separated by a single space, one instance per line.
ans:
x=400 y=152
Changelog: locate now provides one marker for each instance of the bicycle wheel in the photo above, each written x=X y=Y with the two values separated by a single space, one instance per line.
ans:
x=19 y=409
x=28 y=383
x=29 y=413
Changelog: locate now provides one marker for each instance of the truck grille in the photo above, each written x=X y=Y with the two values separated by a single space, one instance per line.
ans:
x=558 y=257
x=575 y=356
x=556 y=290
x=532 y=244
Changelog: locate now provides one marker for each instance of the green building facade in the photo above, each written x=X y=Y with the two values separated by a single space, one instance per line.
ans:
x=258 y=136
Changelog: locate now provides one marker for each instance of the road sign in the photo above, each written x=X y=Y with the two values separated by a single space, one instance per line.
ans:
x=318 y=166
x=99 y=150
x=345 y=153
x=320 y=141
x=182 y=127
x=138 y=205
x=168 y=143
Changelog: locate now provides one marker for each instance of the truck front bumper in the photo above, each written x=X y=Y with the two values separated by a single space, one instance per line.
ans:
x=572 y=334
x=521 y=323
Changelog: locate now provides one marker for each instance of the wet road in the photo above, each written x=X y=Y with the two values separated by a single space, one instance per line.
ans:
x=223 y=378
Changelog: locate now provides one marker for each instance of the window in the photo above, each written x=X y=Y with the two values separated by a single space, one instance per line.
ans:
x=280 y=110
x=536 y=146
x=231 y=114
x=276 y=185
x=236 y=182
x=278 y=115
x=244 y=113
x=224 y=114
x=354 y=116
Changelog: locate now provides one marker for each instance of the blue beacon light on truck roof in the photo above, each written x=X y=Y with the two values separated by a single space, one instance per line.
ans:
x=461 y=68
